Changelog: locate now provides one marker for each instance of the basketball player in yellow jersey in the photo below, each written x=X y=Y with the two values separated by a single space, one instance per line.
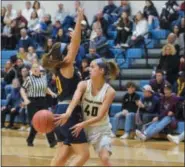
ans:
x=97 y=96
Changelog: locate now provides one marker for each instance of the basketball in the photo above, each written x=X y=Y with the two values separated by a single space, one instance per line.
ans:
x=43 y=121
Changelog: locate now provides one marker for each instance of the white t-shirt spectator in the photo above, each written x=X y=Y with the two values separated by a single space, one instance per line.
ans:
x=27 y=13
x=141 y=28
x=40 y=13
x=10 y=16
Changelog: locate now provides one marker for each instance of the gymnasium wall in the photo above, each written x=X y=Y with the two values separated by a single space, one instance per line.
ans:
x=91 y=7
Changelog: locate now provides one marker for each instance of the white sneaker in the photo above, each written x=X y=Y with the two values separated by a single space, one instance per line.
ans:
x=141 y=135
x=22 y=128
x=173 y=139
x=112 y=135
x=124 y=45
x=125 y=136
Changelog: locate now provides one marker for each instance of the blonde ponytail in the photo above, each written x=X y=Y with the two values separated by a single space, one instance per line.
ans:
x=113 y=70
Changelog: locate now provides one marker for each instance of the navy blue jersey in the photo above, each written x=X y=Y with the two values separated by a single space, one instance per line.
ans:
x=66 y=87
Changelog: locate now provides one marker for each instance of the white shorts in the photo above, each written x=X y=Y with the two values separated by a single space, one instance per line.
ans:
x=100 y=138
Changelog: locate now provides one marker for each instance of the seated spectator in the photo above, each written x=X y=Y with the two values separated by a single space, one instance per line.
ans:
x=129 y=108
x=149 y=105
x=33 y=24
x=100 y=43
x=182 y=25
x=172 y=39
x=124 y=7
x=124 y=29
x=108 y=11
x=48 y=45
x=182 y=44
x=169 y=63
x=62 y=37
x=10 y=14
x=13 y=105
x=176 y=139
x=140 y=31
x=150 y=11
x=6 y=36
x=3 y=12
x=7 y=68
x=99 y=23
x=60 y=14
x=38 y=9
x=182 y=64
x=158 y=83
x=25 y=40
x=24 y=74
x=176 y=31
x=165 y=118
x=21 y=20
x=92 y=54
x=85 y=69
x=169 y=14
x=31 y=54
x=84 y=31
x=182 y=6
x=56 y=28
x=27 y=11
x=179 y=85
x=22 y=54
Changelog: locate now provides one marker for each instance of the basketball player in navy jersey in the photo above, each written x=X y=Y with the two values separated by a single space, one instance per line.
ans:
x=97 y=96
x=60 y=59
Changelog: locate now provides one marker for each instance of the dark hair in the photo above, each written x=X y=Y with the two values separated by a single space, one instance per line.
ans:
x=35 y=13
x=110 y=68
x=150 y=1
x=130 y=84
x=159 y=71
x=35 y=4
x=56 y=61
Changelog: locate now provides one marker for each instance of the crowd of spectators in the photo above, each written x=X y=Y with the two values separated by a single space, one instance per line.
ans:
x=32 y=29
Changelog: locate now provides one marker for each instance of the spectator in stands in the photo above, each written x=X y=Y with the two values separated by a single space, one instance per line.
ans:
x=182 y=25
x=108 y=11
x=182 y=6
x=172 y=39
x=182 y=64
x=85 y=31
x=13 y=105
x=31 y=54
x=15 y=31
x=149 y=105
x=62 y=37
x=22 y=54
x=179 y=85
x=158 y=83
x=38 y=9
x=56 y=28
x=48 y=45
x=129 y=108
x=27 y=11
x=92 y=54
x=24 y=74
x=140 y=31
x=150 y=11
x=100 y=43
x=60 y=14
x=6 y=36
x=21 y=20
x=176 y=31
x=25 y=40
x=182 y=44
x=11 y=14
x=85 y=69
x=165 y=118
x=124 y=7
x=99 y=23
x=33 y=24
x=176 y=139
x=7 y=67
x=3 y=12
x=12 y=73
x=169 y=63
x=124 y=29
x=77 y=5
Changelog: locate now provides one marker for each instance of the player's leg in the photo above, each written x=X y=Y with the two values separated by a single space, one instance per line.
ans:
x=81 y=152
x=63 y=153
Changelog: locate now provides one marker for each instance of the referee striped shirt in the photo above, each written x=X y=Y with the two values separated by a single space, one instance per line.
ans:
x=35 y=86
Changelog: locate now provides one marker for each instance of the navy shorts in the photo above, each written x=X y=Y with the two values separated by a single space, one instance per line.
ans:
x=63 y=133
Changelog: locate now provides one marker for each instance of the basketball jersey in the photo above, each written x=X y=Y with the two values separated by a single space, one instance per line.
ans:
x=91 y=104
x=66 y=87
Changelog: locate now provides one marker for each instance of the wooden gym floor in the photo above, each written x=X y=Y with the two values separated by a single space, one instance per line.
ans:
x=125 y=152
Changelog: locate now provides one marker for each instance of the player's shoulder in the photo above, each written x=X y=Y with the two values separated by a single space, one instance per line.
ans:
x=82 y=84
x=111 y=90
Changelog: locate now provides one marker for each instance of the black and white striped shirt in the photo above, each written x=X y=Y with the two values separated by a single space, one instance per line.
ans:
x=35 y=86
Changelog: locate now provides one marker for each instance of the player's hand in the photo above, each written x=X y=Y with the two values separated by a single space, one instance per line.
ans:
x=60 y=119
x=155 y=119
x=77 y=129
x=170 y=113
x=53 y=95
x=125 y=112
x=26 y=102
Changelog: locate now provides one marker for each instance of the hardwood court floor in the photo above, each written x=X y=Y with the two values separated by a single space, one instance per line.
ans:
x=125 y=152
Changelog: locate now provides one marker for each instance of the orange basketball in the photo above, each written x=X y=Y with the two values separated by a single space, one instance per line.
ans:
x=43 y=121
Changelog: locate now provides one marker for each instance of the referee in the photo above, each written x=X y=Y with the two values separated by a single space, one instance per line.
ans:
x=33 y=92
